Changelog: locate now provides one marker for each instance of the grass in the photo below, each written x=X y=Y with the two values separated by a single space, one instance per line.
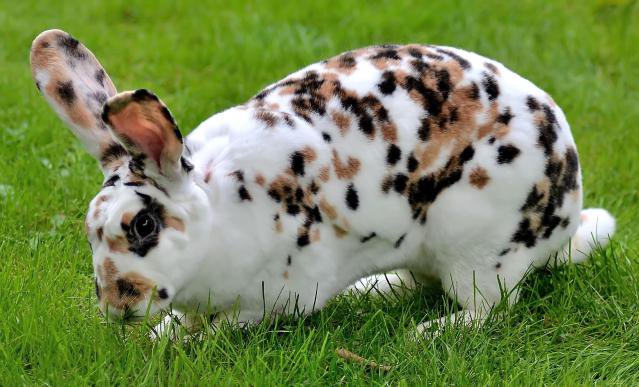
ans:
x=574 y=325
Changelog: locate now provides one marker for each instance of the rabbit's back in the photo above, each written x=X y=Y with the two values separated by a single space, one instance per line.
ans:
x=410 y=144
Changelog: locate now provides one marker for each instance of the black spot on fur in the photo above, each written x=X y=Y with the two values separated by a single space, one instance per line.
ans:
x=462 y=62
x=289 y=261
x=387 y=85
x=565 y=222
x=163 y=294
x=415 y=53
x=66 y=92
x=71 y=46
x=498 y=265
x=533 y=198
x=547 y=130
x=532 y=103
x=244 y=194
x=393 y=154
x=239 y=175
x=113 y=152
x=387 y=183
x=143 y=95
x=467 y=154
x=292 y=209
x=303 y=240
x=525 y=234
x=505 y=117
x=507 y=153
x=99 y=76
x=490 y=86
x=368 y=237
x=297 y=163
x=443 y=82
x=572 y=169
x=111 y=181
x=398 y=242
x=412 y=163
x=504 y=252
x=453 y=115
x=399 y=184
x=491 y=140
x=100 y=97
x=327 y=137
x=274 y=195
x=134 y=183
x=424 y=130
x=352 y=198
x=386 y=54
x=432 y=100
x=126 y=288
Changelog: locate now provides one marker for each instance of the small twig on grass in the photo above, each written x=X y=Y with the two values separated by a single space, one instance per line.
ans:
x=350 y=356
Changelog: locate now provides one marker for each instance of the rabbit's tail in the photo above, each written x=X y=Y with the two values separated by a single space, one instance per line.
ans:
x=596 y=228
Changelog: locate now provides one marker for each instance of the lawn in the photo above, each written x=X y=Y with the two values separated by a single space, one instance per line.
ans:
x=573 y=325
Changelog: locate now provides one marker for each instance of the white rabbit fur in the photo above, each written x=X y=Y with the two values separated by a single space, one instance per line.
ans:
x=426 y=158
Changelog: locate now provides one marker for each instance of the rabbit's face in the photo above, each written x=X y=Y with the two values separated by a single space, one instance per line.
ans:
x=136 y=236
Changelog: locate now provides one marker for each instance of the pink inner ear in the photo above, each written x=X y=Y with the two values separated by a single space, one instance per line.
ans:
x=135 y=124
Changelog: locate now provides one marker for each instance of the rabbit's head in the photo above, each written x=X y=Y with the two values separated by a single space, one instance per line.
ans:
x=142 y=225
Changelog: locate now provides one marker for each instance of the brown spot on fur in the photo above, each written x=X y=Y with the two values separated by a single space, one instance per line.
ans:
x=175 y=223
x=309 y=154
x=389 y=132
x=288 y=90
x=479 y=177
x=109 y=270
x=119 y=244
x=341 y=120
x=260 y=180
x=285 y=274
x=502 y=131
x=327 y=209
x=127 y=217
x=267 y=117
x=339 y=231
x=99 y=233
x=345 y=170
x=324 y=174
x=315 y=235
x=345 y=63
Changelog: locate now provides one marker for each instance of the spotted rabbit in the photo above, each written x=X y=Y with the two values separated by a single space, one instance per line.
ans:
x=425 y=158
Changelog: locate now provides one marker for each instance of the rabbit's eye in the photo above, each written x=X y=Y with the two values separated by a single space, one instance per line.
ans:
x=144 y=225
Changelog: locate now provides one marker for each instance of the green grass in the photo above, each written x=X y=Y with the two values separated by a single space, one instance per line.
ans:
x=574 y=325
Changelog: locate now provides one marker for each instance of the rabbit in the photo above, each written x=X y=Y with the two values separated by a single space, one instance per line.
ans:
x=419 y=158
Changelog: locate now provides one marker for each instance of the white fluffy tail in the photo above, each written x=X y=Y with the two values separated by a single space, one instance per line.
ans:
x=596 y=228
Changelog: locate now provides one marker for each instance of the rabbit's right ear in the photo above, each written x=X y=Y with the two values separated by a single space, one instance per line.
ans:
x=76 y=86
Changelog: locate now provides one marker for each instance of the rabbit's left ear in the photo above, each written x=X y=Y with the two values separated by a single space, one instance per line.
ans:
x=146 y=128
x=76 y=86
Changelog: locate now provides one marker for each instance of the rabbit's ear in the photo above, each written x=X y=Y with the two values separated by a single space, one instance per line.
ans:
x=76 y=86
x=145 y=127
